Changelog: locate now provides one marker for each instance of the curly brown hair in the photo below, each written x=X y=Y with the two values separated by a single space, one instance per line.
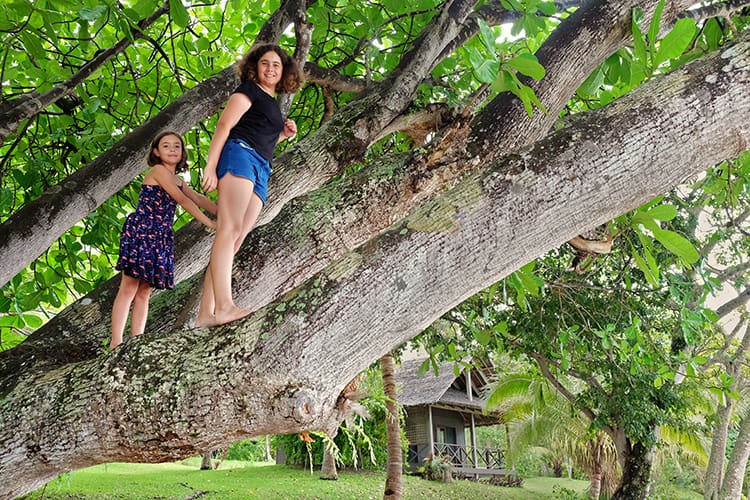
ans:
x=155 y=160
x=291 y=76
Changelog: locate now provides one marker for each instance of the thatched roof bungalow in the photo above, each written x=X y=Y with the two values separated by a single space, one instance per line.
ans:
x=442 y=413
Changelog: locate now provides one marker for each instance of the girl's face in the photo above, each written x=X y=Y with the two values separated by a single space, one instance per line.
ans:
x=169 y=150
x=270 y=70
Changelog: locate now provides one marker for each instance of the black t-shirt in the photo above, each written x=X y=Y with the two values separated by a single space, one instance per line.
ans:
x=261 y=125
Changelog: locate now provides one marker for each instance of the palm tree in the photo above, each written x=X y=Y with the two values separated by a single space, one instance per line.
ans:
x=539 y=419
x=393 y=431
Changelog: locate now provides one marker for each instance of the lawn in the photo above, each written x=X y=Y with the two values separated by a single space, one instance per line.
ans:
x=244 y=480
x=241 y=480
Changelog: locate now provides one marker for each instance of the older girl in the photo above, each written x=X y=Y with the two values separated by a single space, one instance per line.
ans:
x=239 y=164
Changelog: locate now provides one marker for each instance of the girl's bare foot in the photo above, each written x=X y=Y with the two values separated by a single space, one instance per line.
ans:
x=233 y=314
x=222 y=317
x=202 y=322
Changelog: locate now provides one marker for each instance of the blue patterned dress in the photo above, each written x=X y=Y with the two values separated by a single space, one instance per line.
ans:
x=147 y=241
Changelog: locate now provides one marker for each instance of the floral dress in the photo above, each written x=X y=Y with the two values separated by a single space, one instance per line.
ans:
x=147 y=241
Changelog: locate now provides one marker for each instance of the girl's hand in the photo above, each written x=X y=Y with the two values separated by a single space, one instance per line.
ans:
x=290 y=128
x=210 y=181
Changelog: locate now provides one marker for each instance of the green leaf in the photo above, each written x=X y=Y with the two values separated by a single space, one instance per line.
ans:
x=712 y=34
x=645 y=219
x=504 y=82
x=653 y=30
x=485 y=69
x=592 y=83
x=652 y=264
x=488 y=37
x=32 y=321
x=32 y=45
x=482 y=336
x=663 y=212
x=678 y=245
x=645 y=269
x=676 y=41
x=92 y=13
x=179 y=13
x=547 y=8
x=527 y=64
x=639 y=43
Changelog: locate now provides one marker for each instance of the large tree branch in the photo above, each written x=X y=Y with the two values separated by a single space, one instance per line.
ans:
x=274 y=371
x=597 y=29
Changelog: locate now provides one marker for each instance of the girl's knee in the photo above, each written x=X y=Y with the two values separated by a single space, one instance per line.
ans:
x=143 y=292
x=128 y=288
x=229 y=231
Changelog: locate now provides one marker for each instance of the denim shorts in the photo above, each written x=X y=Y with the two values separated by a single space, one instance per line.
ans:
x=240 y=159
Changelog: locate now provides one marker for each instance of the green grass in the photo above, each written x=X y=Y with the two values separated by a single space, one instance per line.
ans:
x=245 y=480
x=241 y=480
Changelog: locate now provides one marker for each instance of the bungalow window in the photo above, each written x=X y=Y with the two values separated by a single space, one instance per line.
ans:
x=445 y=434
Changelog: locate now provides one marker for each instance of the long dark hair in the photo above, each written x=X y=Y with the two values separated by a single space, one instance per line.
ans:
x=291 y=76
x=155 y=160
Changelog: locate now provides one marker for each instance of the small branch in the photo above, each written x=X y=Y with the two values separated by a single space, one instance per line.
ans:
x=734 y=304
x=32 y=103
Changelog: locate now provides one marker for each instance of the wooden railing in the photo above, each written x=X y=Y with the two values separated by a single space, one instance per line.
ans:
x=462 y=456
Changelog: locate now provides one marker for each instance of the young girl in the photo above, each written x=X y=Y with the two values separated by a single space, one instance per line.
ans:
x=147 y=242
x=239 y=164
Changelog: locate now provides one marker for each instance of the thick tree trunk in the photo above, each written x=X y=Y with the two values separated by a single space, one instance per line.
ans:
x=731 y=488
x=636 y=472
x=395 y=466
x=714 y=482
x=328 y=468
x=206 y=461
x=715 y=468
x=270 y=373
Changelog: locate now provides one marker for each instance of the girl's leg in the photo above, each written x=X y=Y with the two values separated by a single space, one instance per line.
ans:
x=121 y=307
x=207 y=305
x=140 y=309
x=234 y=197
x=248 y=221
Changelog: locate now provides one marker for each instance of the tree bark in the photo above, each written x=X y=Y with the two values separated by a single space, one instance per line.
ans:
x=394 y=470
x=270 y=373
x=715 y=468
x=731 y=489
x=714 y=480
x=328 y=469
x=636 y=472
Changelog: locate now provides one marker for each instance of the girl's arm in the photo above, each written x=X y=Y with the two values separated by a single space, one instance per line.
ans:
x=202 y=201
x=237 y=105
x=170 y=183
